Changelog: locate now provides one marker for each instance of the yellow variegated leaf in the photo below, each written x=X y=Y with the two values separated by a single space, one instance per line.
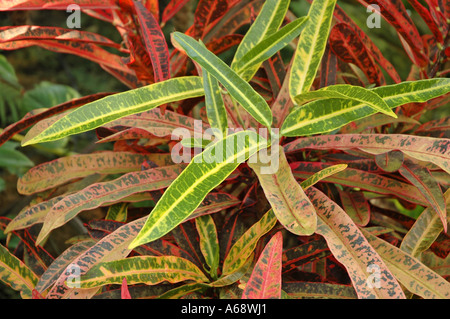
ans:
x=324 y=173
x=206 y=171
x=113 y=107
x=150 y=270
x=311 y=46
x=16 y=274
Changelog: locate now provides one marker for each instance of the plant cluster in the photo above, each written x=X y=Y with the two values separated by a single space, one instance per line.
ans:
x=256 y=154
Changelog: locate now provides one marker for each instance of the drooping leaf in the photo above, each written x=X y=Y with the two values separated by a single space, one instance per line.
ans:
x=321 y=117
x=209 y=243
x=346 y=91
x=421 y=178
x=424 y=232
x=352 y=249
x=155 y=42
x=57 y=172
x=428 y=149
x=414 y=275
x=108 y=192
x=239 y=89
x=16 y=274
x=311 y=46
x=150 y=270
x=110 y=108
x=245 y=245
x=265 y=280
x=289 y=202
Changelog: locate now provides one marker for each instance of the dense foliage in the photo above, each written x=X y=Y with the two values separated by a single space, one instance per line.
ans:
x=262 y=152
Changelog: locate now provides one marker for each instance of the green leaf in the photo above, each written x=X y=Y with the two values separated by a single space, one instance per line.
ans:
x=11 y=158
x=351 y=92
x=243 y=248
x=113 y=107
x=206 y=171
x=322 y=174
x=424 y=231
x=150 y=270
x=265 y=280
x=311 y=46
x=239 y=89
x=248 y=65
x=16 y=274
x=117 y=212
x=288 y=200
x=325 y=116
x=209 y=243
x=215 y=107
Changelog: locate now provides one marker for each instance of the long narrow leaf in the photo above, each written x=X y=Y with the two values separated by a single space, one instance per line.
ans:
x=311 y=46
x=239 y=89
x=206 y=171
x=111 y=108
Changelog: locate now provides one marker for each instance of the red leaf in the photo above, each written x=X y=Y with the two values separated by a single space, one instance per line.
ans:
x=340 y=16
x=124 y=292
x=328 y=69
x=207 y=13
x=347 y=45
x=171 y=9
x=36 y=295
x=265 y=280
x=154 y=42
x=426 y=16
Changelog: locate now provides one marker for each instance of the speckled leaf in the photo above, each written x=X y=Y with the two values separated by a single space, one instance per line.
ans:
x=351 y=92
x=425 y=230
x=311 y=46
x=318 y=290
x=209 y=243
x=16 y=274
x=325 y=116
x=154 y=40
x=352 y=249
x=287 y=198
x=421 y=177
x=239 y=89
x=112 y=247
x=245 y=245
x=390 y=161
x=361 y=179
x=110 y=108
x=356 y=206
x=427 y=149
x=150 y=270
x=59 y=264
x=414 y=275
x=108 y=192
x=57 y=172
x=206 y=171
x=265 y=280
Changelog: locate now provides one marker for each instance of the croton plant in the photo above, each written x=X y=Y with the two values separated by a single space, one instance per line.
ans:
x=256 y=154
